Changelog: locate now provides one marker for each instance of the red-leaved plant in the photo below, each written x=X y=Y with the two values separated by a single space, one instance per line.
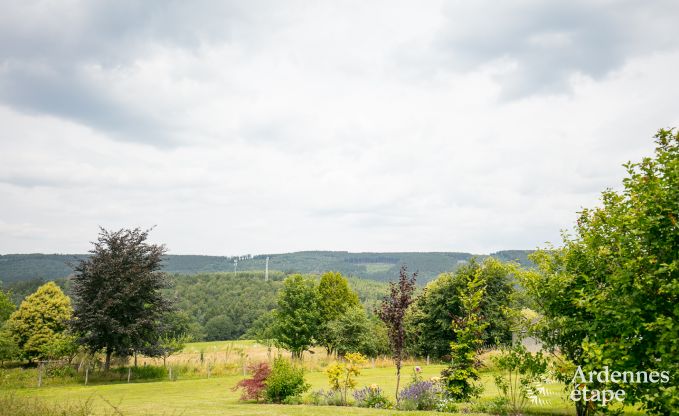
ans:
x=253 y=388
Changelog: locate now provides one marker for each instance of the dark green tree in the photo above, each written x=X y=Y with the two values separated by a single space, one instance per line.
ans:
x=429 y=319
x=119 y=307
x=297 y=315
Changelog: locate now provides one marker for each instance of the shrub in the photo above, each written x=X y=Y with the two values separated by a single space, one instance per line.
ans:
x=253 y=388
x=326 y=398
x=340 y=375
x=521 y=373
x=371 y=396
x=419 y=394
x=284 y=381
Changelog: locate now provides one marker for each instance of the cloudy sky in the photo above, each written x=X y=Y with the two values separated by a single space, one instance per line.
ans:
x=264 y=126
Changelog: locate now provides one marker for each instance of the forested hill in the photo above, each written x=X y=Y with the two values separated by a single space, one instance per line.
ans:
x=376 y=266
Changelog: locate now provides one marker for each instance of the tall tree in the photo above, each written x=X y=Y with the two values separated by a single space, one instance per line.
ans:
x=335 y=297
x=609 y=296
x=117 y=294
x=297 y=316
x=392 y=312
x=41 y=321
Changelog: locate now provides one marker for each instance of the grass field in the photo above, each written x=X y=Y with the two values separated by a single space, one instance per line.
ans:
x=201 y=396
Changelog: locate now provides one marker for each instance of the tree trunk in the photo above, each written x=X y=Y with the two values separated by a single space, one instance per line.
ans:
x=107 y=363
x=398 y=378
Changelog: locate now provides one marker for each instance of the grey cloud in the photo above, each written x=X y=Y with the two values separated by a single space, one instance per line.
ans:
x=551 y=41
x=45 y=46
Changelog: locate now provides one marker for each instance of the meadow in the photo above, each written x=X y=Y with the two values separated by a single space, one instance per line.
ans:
x=191 y=392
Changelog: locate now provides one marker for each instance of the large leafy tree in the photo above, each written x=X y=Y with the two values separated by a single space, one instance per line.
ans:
x=296 y=319
x=39 y=326
x=392 y=312
x=119 y=306
x=610 y=295
x=335 y=298
x=430 y=318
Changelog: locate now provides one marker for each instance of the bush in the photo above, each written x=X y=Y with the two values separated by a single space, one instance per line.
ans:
x=521 y=373
x=419 y=394
x=371 y=396
x=284 y=381
x=253 y=388
x=326 y=398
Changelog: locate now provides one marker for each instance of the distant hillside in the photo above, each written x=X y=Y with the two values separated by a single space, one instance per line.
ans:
x=376 y=266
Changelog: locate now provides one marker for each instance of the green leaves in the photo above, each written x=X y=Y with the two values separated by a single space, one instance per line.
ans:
x=38 y=326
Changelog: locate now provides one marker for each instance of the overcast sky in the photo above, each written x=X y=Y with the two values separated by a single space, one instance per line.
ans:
x=267 y=126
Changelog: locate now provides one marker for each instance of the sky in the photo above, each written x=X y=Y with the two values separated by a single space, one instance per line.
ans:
x=246 y=127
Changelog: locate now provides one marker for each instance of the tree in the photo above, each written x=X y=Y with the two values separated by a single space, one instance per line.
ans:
x=41 y=320
x=462 y=373
x=335 y=297
x=254 y=388
x=297 y=316
x=351 y=332
x=430 y=318
x=6 y=307
x=392 y=312
x=119 y=306
x=609 y=296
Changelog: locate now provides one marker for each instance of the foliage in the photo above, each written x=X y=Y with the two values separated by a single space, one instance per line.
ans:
x=253 y=388
x=6 y=307
x=372 y=396
x=355 y=331
x=392 y=312
x=335 y=297
x=9 y=350
x=119 y=306
x=420 y=394
x=462 y=373
x=326 y=398
x=520 y=374
x=284 y=381
x=171 y=343
x=341 y=374
x=609 y=296
x=431 y=316
x=40 y=323
x=297 y=316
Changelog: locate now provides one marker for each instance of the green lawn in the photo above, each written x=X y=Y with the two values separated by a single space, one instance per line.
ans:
x=215 y=397
x=201 y=396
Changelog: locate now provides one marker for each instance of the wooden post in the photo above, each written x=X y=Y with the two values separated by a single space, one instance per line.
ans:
x=208 y=370
x=129 y=372
x=170 y=372
x=427 y=359
x=40 y=367
x=87 y=373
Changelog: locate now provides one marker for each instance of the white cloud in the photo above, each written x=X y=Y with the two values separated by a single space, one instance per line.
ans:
x=322 y=126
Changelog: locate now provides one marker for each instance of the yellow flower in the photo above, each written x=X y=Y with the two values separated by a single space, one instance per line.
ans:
x=373 y=386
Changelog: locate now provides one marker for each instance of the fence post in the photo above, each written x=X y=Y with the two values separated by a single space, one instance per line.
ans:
x=129 y=371
x=87 y=373
x=40 y=367
x=427 y=359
